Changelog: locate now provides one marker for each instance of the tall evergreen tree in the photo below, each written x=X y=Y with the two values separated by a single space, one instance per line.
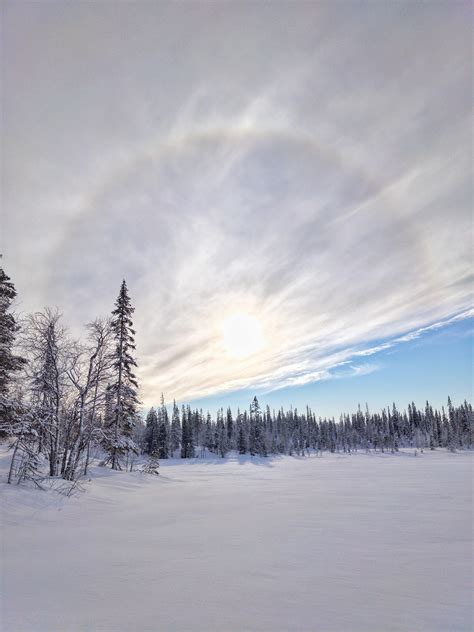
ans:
x=152 y=433
x=175 y=434
x=209 y=434
x=229 y=424
x=190 y=442
x=163 y=430
x=187 y=443
x=184 y=433
x=9 y=362
x=221 y=440
x=242 y=443
x=125 y=386
x=241 y=439
x=257 y=440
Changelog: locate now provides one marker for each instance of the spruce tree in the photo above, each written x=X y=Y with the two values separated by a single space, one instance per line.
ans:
x=163 y=430
x=208 y=434
x=190 y=437
x=163 y=436
x=241 y=438
x=152 y=433
x=125 y=385
x=257 y=440
x=9 y=362
x=175 y=434
x=229 y=428
x=221 y=435
x=242 y=443
x=184 y=434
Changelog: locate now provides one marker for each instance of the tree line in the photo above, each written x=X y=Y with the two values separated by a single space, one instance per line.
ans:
x=64 y=400
x=192 y=433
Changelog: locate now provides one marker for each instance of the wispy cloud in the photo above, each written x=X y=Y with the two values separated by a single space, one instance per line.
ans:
x=308 y=163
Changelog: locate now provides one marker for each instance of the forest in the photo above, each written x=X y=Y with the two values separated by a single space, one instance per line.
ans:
x=64 y=402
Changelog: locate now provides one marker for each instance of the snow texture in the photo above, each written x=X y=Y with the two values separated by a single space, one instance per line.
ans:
x=328 y=544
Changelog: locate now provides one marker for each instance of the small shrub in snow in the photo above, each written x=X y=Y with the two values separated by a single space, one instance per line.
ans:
x=151 y=467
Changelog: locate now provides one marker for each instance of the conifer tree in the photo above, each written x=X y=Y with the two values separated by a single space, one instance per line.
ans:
x=208 y=434
x=190 y=437
x=9 y=362
x=257 y=441
x=163 y=430
x=187 y=444
x=125 y=385
x=221 y=435
x=240 y=430
x=184 y=432
x=152 y=433
x=229 y=428
x=175 y=433
x=242 y=443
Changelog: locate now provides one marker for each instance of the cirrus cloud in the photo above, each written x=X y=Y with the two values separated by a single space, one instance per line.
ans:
x=308 y=163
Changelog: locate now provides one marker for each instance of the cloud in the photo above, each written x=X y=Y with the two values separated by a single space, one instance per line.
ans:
x=309 y=164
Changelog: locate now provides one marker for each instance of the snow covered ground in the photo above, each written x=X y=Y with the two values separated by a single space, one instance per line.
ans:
x=338 y=543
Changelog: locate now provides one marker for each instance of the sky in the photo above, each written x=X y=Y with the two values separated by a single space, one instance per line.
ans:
x=285 y=187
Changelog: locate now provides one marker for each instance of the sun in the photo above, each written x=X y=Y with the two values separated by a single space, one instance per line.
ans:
x=242 y=335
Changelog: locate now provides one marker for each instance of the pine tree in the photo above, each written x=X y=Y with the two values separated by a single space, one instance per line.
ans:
x=241 y=438
x=190 y=438
x=187 y=442
x=125 y=386
x=9 y=362
x=221 y=435
x=242 y=443
x=184 y=433
x=467 y=424
x=197 y=426
x=229 y=429
x=175 y=434
x=163 y=430
x=257 y=442
x=208 y=434
x=152 y=433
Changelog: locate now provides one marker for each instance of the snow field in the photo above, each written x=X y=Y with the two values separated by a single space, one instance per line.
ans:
x=326 y=544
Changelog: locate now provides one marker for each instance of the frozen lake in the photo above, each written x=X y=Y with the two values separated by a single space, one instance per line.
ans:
x=333 y=543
